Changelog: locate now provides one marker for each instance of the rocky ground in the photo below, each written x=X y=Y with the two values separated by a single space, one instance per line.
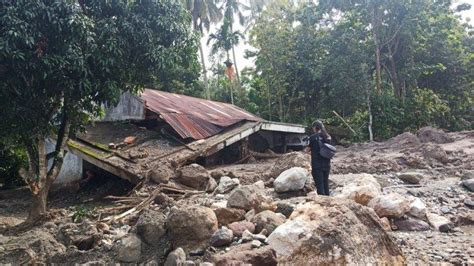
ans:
x=406 y=200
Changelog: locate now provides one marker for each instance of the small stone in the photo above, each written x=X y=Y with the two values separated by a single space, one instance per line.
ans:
x=176 y=258
x=256 y=244
x=247 y=236
x=259 y=184
x=222 y=237
x=239 y=227
x=206 y=264
x=410 y=177
x=189 y=263
x=260 y=237
x=129 y=249
x=285 y=208
x=469 y=184
x=469 y=203
x=445 y=210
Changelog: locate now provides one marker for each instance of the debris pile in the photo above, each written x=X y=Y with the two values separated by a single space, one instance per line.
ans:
x=409 y=199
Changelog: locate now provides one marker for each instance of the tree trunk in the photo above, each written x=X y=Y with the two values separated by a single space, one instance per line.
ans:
x=235 y=64
x=204 y=71
x=369 y=109
x=397 y=88
x=375 y=26
x=38 y=205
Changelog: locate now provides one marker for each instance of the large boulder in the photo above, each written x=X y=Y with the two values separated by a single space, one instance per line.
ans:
x=191 y=226
x=228 y=215
x=129 y=249
x=246 y=255
x=328 y=231
x=390 y=205
x=469 y=184
x=226 y=184
x=292 y=179
x=194 y=175
x=289 y=160
x=267 y=220
x=245 y=197
x=151 y=226
x=361 y=188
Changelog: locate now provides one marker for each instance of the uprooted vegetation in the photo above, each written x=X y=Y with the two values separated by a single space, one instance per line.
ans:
x=410 y=199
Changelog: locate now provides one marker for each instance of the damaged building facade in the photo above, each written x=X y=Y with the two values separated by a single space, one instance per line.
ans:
x=158 y=130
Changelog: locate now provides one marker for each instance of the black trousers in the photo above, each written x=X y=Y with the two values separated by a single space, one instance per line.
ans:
x=321 y=180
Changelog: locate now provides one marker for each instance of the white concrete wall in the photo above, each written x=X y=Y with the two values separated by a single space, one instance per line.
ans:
x=72 y=165
x=130 y=107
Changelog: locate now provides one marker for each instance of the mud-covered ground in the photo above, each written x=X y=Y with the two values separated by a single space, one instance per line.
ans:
x=443 y=160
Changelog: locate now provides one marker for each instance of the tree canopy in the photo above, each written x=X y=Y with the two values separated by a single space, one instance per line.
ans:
x=60 y=61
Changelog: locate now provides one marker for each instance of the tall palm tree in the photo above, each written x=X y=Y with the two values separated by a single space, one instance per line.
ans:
x=234 y=8
x=204 y=13
x=224 y=40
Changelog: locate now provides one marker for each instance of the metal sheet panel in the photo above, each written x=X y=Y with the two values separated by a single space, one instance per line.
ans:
x=193 y=117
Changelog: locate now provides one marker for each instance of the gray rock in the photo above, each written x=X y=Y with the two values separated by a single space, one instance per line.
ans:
x=440 y=223
x=211 y=185
x=469 y=184
x=244 y=197
x=129 y=249
x=222 y=237
x=191 y=226
x=189 y=263
x=256 y=244
x=292 y=179
x=161 y=174
x=267 y=220
x=226 y=184
x=206 y=264
x=411 y=224
x=410 y=177
x=467 y=175
x=194 y=175
x=285 y=208
x=151 y=226
x=469 y=203
x=176 y=258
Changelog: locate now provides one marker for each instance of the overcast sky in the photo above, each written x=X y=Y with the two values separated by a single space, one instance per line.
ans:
x=240 y=49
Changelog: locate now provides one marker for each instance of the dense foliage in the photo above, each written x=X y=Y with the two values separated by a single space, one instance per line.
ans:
x=60 y=61
x=411 y=62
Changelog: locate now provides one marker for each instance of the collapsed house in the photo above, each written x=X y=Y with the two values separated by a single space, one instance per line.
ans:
x=159 y=129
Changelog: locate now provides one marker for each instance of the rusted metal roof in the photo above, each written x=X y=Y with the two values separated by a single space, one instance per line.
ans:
x=193 y=117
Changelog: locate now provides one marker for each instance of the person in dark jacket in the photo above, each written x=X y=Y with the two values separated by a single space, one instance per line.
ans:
x=320 y=165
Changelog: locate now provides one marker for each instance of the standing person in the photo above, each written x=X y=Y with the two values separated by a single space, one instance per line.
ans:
x=320 y=165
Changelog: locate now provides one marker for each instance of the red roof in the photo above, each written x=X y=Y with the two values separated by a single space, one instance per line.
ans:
x=193 y=117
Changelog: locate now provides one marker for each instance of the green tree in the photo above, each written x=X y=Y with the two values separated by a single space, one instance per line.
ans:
x=61 y=60
x=204 y=13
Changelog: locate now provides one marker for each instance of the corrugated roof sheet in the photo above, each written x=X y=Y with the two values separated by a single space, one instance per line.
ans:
x=193 y=117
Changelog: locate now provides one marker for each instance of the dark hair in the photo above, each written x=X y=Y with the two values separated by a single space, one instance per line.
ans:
x=320 y=126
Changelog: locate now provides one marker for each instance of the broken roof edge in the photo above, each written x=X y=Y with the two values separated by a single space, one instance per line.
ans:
x=283 y=127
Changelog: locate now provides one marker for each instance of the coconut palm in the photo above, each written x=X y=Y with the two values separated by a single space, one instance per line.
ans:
x=234 y=8
x=204 y=13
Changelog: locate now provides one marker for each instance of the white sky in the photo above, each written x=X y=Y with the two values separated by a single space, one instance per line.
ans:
x=240 y=49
